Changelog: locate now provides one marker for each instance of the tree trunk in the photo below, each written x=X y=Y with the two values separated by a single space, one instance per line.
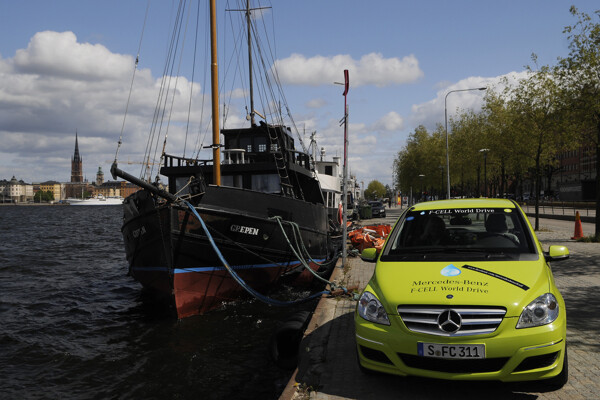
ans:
x=502 y=179
x=597 y=228
x=536 y=187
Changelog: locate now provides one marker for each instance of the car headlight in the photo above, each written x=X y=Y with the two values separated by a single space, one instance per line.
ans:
x=371 y=309
x=541 y=311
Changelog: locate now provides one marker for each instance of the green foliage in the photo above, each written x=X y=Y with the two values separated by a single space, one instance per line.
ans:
x=525 y=126
x=424 y=154
x=579 y=79
x=375 y=190
x=43 y=196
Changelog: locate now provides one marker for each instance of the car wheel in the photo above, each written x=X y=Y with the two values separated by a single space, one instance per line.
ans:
x=561 y=379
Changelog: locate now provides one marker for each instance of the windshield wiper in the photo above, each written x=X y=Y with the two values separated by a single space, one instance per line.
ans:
x=488 y=253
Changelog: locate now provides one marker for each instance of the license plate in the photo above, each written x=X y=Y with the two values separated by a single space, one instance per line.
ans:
x=460 y=351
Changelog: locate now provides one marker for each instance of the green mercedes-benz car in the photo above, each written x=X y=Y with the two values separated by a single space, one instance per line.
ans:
x=463 y=290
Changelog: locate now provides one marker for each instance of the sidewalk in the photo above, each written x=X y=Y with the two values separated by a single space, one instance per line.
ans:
x=328 y=367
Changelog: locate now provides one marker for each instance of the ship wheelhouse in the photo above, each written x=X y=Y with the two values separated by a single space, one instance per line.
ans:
x=261 y=158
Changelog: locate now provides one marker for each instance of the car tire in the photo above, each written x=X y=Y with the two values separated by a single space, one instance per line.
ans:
x=561 y=379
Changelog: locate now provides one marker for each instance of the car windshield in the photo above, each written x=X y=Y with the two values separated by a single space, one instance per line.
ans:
x=375 y=204
x=460 y=234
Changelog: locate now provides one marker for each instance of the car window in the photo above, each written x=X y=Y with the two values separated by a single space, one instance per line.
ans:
x=460 y=233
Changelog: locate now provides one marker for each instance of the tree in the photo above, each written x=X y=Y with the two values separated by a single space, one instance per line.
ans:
x=579 y=75
x=40 y=196
x=375 y=190
x=537 y=113
x=420 y=164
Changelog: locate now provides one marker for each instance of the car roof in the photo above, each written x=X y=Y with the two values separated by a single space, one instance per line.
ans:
x=464 y=203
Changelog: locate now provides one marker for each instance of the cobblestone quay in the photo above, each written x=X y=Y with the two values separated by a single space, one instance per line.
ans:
x=328 y=366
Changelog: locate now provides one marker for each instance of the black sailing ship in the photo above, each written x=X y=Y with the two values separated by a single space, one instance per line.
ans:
x=262 y=205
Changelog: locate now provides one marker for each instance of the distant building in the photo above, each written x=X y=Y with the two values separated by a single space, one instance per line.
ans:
x=127 y=188
x=76 y=164
x=108 y=189
x=99 y=177
x=576 y=177
x=78 y=188
x=15 y=191
x=57 y=189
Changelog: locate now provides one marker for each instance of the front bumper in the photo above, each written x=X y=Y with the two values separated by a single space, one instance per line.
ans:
x=511 y=354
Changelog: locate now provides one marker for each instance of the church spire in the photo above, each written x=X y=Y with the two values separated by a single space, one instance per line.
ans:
x=76 y=163
x=76 y=156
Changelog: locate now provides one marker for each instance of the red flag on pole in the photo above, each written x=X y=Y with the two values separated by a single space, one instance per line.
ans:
x=346 y=82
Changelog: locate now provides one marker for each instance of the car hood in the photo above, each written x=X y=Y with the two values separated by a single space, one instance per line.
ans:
x=508 y=284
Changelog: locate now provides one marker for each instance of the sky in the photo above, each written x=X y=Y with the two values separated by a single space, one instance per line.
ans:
x=66 y=67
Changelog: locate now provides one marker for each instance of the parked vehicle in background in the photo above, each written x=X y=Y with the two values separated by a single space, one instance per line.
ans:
x=377 y=209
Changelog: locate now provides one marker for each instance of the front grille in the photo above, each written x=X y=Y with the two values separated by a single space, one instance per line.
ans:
x=453 y=366
x=474 y=320
x=545 y=360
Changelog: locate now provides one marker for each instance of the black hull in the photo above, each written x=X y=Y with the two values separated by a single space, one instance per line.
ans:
x=168 y=251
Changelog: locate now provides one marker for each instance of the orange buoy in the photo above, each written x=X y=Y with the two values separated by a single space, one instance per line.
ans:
x=578 y=229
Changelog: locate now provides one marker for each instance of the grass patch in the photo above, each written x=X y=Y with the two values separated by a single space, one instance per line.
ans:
x=590 y=239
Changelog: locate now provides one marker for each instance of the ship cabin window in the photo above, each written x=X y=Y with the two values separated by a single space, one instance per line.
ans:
x=274 y=148
x=267 y=183
x=232 y=181
x=329 y=170
x=260 y=144
x=181 y=185
x=246 y=144
x=329 y=198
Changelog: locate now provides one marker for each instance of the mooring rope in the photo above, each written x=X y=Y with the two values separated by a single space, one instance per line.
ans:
x=238 y=279
x=300 y=256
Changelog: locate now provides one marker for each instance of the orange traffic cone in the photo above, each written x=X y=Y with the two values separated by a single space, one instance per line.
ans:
x=578 y=230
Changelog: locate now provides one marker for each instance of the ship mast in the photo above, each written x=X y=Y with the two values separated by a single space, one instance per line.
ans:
x=215 y=95
x=248 y=12
x=252 y=123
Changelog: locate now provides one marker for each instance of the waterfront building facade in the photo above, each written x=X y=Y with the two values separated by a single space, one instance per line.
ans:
x=15 y=191
x=57 y=189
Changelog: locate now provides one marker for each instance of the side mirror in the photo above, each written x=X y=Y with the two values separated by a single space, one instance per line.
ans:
x=557 y=253
x=369 y=254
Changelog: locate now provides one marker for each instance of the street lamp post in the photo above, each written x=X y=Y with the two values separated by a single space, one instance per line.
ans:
x=484 y=151
x=442 y=181
x=446 y=125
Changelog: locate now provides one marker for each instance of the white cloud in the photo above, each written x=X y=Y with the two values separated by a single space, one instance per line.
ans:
x=432 y=112
x=371 y=69
x=59 y=54
x=57 y=86
x=392 y=121
x=316 y=103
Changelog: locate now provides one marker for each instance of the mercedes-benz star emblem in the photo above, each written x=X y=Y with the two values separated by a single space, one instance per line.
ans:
x=449 y=321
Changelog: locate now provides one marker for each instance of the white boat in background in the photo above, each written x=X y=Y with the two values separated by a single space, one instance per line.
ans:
x=99 y=200
x=330 y=178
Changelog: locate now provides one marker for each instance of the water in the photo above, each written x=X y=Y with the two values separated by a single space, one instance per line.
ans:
x=74 y=325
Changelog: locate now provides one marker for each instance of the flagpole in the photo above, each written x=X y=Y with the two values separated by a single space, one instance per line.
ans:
x=345 y=173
